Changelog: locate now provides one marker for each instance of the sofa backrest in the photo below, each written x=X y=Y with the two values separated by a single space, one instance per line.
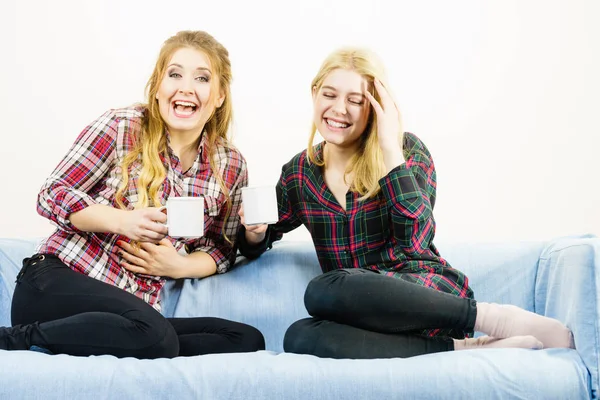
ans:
x=267 y=293
x=498 y=272
x=12 y=253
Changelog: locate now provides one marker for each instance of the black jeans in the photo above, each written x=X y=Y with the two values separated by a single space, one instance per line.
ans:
x=358 y=313
x=68 y=312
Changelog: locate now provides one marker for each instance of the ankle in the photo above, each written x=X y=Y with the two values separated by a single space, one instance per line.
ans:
x=13 y=338
x=459 y=344
x=482 y=317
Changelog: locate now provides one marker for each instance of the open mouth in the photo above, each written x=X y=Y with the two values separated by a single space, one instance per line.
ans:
x=336 y=124
x=184 y=109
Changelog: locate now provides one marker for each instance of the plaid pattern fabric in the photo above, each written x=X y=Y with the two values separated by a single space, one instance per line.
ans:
x=391 y=232
x=90 y=173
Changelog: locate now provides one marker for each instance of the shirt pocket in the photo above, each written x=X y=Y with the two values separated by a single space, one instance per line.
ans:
x=129 y=196
x=375 y=224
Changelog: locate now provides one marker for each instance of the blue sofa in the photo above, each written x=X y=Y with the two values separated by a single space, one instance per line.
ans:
x=560 y=279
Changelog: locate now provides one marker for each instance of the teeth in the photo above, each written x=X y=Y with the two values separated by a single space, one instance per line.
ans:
x=336 y=124
x=185 y=104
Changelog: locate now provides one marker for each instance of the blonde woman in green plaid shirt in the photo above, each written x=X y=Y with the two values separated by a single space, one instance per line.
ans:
x=366 y=194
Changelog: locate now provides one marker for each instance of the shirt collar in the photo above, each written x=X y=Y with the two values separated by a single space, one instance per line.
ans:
x=318 y=151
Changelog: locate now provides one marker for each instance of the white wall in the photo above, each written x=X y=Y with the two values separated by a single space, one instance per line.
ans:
x=505 y=94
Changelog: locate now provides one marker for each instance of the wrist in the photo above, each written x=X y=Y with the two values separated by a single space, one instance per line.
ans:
x=254 y=238
x=197 y=264
x=181 y=268
x=390 y=143
x=117 y=221
x=392 y=157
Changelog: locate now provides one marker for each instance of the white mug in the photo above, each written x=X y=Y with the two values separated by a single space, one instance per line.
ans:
x=260 y=205
x=185 y=216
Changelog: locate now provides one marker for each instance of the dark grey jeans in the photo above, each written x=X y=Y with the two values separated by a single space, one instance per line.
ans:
x=358 y=313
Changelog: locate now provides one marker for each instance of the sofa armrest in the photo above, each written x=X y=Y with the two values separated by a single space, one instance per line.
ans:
x=568 y=288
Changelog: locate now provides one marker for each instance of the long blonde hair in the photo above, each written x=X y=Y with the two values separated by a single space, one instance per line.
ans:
x=152 y=141
x=367 y=163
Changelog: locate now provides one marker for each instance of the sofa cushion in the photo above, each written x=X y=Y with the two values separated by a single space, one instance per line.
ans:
x=473 y=374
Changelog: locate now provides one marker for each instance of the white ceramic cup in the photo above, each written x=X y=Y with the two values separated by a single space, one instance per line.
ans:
x=260 y=205
x=185 y=216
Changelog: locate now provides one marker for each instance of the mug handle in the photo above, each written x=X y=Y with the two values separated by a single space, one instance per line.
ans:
x=163 y=209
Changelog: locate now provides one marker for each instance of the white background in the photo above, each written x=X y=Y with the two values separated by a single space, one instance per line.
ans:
x=506 y=94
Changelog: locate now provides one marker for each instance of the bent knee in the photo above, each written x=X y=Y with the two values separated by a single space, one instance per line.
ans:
x=323 y=291
x=302 y=336
x=161 y=342
x=318 y=295
x=252 y=339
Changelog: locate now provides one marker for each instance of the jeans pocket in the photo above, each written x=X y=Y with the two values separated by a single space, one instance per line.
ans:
x=35 y=268
x=27 y=264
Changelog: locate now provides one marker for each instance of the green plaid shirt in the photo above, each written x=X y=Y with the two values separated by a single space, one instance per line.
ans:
x=391 y=232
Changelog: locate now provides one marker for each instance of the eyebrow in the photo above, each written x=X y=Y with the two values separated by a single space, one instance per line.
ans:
x=335 y=90
x=197 y=69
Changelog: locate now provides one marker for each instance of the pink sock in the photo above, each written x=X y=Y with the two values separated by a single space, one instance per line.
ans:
x=504 y=321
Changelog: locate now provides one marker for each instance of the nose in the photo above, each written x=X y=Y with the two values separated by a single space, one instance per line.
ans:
x=186 y=87
x=339 y=107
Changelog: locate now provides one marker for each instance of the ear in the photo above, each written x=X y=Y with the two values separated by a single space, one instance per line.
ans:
x=314 y=92
x=220 y=100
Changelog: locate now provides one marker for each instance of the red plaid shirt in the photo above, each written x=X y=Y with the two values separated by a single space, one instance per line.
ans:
x=90 y=173
x=391 y=232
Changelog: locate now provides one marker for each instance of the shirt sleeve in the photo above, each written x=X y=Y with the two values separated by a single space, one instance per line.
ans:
x=86 y=163
x=288 y=218
x=213 y=242
x=410 y=192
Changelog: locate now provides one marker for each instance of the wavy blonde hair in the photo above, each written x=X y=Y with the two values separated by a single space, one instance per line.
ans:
x=152 y=141
x=367 y=163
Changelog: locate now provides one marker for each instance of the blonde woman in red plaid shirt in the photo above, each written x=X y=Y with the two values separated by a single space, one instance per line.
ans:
x=93 y=286
x=366 y=195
